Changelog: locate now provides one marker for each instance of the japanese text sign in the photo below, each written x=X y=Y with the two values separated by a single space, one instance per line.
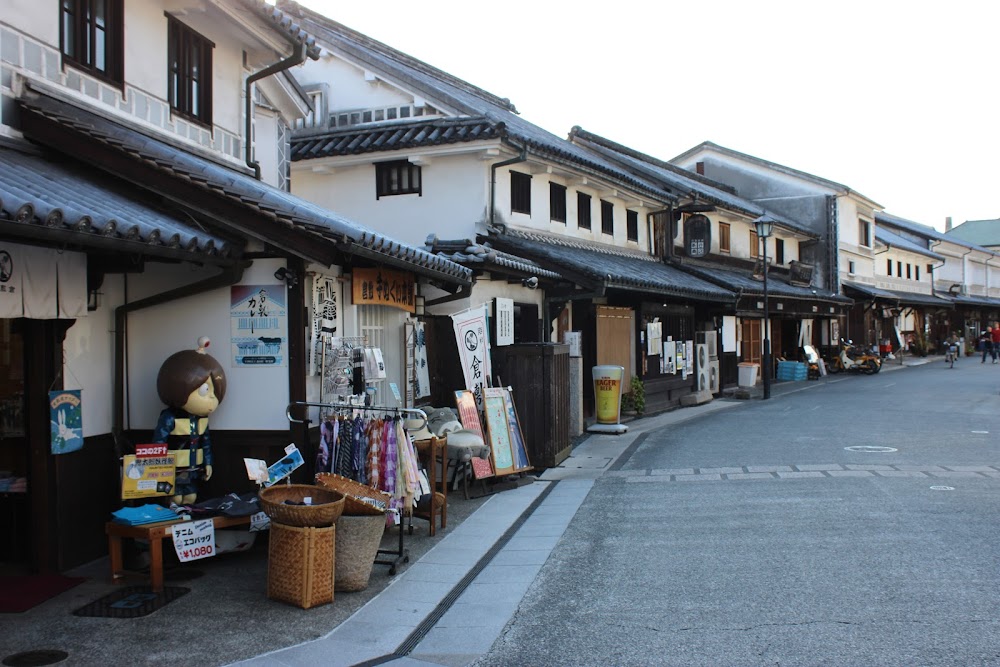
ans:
x=193 y=540
x=383 y=287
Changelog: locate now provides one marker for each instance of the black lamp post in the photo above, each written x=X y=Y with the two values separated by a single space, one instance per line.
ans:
x=764 y=225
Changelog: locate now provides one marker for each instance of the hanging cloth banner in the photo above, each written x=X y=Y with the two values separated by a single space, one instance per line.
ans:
x=66 y=419
x=42 y=283
x=471 y=327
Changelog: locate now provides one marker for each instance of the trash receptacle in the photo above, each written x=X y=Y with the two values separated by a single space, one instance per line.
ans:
x=748 y=374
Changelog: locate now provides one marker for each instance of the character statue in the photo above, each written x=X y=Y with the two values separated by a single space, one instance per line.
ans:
x=192 y=384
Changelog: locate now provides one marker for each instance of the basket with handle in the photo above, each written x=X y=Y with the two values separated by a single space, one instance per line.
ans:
x=327 y=505
x=361 y=500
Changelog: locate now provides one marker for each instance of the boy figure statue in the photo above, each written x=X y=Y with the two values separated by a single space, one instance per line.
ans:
x=192 y=384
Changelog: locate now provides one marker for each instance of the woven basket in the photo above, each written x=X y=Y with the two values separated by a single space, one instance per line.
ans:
x=361 y=500
x=326 y=508
x=300 y=565
x=358 y=539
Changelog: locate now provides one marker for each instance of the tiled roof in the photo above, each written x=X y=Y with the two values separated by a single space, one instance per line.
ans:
x=979 y=232
x=394 y=135
x=609 y=267
x=677 y=180
x=326 y=227
x=883 y=219
x=900 y=297
x=825 y=182
x=485 y=257
x=973 y=300
x=894 y=240
x=57 y=195
x=743 y=282
x=284 y=24
x=463 y=98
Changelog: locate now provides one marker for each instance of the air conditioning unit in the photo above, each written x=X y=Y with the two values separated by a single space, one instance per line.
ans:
x=710 y=338
x=702 y=362
x=714 y=378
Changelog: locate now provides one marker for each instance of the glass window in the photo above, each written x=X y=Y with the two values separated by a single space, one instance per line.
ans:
x=92 y=36
x=632 y=225
x=607 y=218
x=520 y=193
x=582 y=210
x=557 y=202
x=189 y=63
x=398 y=177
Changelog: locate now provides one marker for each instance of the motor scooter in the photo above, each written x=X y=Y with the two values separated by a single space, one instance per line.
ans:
x=852 y=360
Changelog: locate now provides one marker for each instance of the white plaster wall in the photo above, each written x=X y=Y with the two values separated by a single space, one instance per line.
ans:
x=41 y=20
x=484 y=291
x=256 y=397
x=892 y=281
x=453 y=200
x=89 y=359
x=348 y=88
x=266 y=144
x=540 y=219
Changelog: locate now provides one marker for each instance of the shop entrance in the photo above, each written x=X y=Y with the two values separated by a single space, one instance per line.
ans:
x=15 y=514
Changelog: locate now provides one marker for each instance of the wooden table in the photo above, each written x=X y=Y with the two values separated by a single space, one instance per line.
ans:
x=155 y=533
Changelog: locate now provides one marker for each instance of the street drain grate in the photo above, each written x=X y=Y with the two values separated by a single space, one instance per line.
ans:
x=871 y=449
x=46 y=656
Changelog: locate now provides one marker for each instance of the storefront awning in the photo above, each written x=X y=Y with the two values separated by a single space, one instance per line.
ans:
x=232 y=199
x=744 y=283
x=598 y=266
x=897 y=297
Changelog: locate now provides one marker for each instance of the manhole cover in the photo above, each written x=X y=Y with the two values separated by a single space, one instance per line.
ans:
x=35 y=658
x=942 y=488
x=871 y=449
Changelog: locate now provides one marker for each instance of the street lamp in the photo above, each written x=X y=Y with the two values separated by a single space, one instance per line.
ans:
x=764 y=226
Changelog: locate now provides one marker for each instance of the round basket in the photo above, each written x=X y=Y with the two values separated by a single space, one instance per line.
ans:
x=327 y=506
x=361 y=500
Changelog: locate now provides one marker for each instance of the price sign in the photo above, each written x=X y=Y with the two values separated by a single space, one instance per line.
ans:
x=194 y=539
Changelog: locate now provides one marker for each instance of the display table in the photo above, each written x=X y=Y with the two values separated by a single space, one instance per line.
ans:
x=155 y=533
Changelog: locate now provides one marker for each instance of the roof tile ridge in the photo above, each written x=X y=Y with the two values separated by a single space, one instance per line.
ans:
x=579 y=244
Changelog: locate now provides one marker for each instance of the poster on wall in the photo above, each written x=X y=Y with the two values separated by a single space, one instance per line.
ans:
x=324 y=320
x=654 y=338
x=688 y=358
x=669 y=360
x=259 y=325
x=66 y=420
x=505 y=321
x=471 y=327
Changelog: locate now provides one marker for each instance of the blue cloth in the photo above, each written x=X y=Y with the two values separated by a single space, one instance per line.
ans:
x=137 y=516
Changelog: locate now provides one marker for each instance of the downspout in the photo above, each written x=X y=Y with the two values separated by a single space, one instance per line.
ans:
x=297 y=58
x=523 y=157
x=227 y=278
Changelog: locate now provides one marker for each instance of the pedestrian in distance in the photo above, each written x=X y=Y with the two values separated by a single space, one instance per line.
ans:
x=951 y=349
x=995 y=337
x=986 y=343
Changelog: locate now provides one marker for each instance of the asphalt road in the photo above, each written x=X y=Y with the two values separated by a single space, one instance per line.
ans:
x=754 y=536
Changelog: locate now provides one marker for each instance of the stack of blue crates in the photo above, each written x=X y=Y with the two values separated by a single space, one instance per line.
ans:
x=793 y=371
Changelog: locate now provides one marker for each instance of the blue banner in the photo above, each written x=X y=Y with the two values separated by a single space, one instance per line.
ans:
x=66 y=419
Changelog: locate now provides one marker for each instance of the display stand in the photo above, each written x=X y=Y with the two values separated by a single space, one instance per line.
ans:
x=393 y=556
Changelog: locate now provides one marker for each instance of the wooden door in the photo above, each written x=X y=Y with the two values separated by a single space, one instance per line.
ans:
x=615 y=327
x=753 y=342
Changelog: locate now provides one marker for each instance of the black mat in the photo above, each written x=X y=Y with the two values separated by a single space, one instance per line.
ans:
x=131 y=602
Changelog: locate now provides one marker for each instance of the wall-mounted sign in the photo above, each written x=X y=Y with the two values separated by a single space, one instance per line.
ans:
x=382 y=287
x=66 y=420
x=697 y=236
x=505 y=321
x=147 y=476
x=258 y=325
x=800 y=274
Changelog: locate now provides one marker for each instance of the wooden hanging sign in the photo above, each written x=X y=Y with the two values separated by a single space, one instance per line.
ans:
x=383 y=287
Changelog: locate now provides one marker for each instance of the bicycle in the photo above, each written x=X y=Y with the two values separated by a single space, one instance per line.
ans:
x=949 y=356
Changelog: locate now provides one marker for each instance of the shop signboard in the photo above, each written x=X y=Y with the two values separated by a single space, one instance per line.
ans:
x=193 y=540
x=471 y=327
x=505 y=321
x=383 y=287
x=608 y=391
x=259 y=325
x=148 y=476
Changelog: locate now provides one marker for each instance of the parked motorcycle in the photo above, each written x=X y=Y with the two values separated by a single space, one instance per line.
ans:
x=851 y=359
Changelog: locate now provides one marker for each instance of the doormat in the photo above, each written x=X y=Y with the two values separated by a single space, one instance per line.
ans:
x=38 y=658
x=131 y=602
x=19 y=593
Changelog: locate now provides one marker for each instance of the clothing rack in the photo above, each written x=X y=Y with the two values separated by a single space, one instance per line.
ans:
x=400 y=554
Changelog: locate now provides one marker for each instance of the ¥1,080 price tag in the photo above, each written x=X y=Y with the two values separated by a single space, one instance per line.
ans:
x=194 y=539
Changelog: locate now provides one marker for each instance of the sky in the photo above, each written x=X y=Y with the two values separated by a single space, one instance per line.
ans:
x=899 y=101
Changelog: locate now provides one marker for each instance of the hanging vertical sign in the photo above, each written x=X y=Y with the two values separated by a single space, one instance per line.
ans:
x=66 y=419
x=473 y=348
x=259 y=325
x=505 y=321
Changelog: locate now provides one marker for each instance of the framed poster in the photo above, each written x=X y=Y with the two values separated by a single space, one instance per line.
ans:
x=498 y=430
x=518 y=448
x=259 y=325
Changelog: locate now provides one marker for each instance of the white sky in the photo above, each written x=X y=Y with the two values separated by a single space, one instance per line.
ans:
x=896 y=100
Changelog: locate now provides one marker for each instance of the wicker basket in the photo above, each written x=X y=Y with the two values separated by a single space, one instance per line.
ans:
x=358 y=539
x=300 y=565
x=327 y=506
x=361 y=500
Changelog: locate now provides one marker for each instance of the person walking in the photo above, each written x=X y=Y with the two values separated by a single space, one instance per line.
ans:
x=986 y=342
x=995 y=338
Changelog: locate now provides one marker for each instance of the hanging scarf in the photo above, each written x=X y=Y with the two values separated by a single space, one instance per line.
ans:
x=373 y=432
x=345 y=450
x=360 y=449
